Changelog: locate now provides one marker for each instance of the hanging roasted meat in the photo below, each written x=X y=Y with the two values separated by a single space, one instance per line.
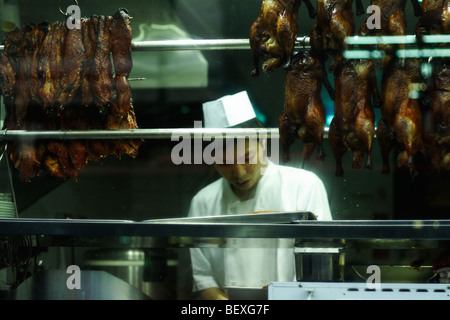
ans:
x=72 y=67
x=392 y=23
x=303 y=116
x=121 y=53
x=335 y=21
x=436 y=134
x=8 y=81
x=353 y=124
x=89 y=29
x=22 y=58
x=435 y=19
x=37 y=67
x=100 y=75
x=274 y=33
x=55 y=78
x=401 y=122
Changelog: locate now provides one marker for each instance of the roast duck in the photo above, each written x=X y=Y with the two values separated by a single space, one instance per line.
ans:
x=436 y=134
x=274 y=33
x=303 y=116
x=55 y=78
x=353 y=124
x=393 y=23
x=435 y=19
x=401 y=122
x=335 y=21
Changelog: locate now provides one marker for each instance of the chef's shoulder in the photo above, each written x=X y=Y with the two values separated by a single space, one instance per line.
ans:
x=205 y=201
x=298 y=176
x=205 y=196
x=211 y=188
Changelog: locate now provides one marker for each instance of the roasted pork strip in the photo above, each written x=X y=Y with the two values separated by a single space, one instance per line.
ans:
x=74 y=59
x=121 y=36
x=54 y=78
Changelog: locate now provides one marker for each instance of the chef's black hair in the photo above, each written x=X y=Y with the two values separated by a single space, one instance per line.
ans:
x=252 y=123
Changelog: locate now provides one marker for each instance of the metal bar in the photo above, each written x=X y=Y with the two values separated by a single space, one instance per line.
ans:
x=406 y=39
x=358 y=40
x=141 y=133
x=264 y=217
x=144 y=133
x=189 y=44
x=198 y=44
x=344 y=229
x=244 y=44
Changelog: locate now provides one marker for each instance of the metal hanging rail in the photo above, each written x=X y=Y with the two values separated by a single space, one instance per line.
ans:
x=176 y=134
x=244 y=44
x=190 y=44
x=199 y=44
x=196 y=133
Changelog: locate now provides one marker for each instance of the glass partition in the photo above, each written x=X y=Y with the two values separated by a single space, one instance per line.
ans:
x=185 y=53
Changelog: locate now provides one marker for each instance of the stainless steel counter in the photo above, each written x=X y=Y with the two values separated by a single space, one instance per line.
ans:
x=263 y=225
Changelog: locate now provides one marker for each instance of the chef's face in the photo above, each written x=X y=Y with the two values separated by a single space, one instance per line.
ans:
x=246 y=169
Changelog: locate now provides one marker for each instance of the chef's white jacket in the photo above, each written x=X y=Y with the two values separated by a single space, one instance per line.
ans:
x=255 y=262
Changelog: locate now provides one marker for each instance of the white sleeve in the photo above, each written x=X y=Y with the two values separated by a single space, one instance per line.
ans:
x=318 y=201
x=202 y=273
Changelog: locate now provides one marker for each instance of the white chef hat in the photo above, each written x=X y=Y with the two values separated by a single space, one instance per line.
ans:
x=229 y=111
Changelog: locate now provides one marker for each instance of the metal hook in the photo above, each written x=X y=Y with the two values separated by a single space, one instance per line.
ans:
x=65 y=13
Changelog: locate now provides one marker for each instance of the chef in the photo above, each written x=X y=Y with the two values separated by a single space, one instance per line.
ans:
x=249 y=184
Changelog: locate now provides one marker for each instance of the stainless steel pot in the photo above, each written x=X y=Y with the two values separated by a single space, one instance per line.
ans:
x=319 y=264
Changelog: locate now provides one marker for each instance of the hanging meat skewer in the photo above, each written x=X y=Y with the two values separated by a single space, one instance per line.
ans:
x=274 y=33
x=353 y=124
x=101 y=78
x=54 y=78
x=437 y=116
x=303 y=116
x=401 y=122
x=122 y=115
x=8 y=81
x=435 y=20
x=72 y=66
x=37 y=67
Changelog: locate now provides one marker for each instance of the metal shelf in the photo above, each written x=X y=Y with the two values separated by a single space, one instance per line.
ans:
x=208 y=227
